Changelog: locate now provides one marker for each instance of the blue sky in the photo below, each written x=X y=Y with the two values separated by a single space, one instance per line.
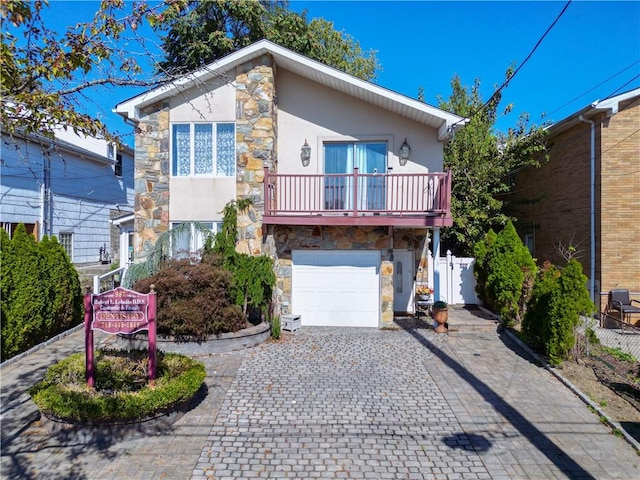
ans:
x=592 y=52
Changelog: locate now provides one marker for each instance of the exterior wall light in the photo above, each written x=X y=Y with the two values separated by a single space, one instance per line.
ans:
x=405 y=150
x=305 y=154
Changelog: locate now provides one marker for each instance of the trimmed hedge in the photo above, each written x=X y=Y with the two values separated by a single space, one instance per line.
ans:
x=40 y=294
x=122 y=392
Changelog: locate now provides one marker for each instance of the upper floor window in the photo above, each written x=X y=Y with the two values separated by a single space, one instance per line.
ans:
x=117 y=167
x=203 y=149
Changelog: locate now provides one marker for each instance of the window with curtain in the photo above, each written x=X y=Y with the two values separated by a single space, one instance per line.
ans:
x=341 y=158
x=189 y=238
x=203 y=149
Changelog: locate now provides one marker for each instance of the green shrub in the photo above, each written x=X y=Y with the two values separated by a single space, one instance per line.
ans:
x=511 y=272
x=558 y=300
x=482 y=250
x=616 y=352
x=122 y=391
x=25 y=305
x=253 y=277
x=40 y=290
x=63 y=289
x=276 y=327
x=193 y=300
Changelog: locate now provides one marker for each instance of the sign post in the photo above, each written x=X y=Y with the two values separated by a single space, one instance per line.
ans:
x=120 y=311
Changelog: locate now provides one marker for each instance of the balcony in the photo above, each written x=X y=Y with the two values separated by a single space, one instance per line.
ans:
x=388 y=199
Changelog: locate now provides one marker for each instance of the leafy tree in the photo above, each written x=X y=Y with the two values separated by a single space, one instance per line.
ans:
x=480 y=160
x=210 y=29
x=511 y=273
x=46 y=74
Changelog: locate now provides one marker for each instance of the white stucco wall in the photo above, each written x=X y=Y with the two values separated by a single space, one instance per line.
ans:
x=202 y=198
x=308 y=110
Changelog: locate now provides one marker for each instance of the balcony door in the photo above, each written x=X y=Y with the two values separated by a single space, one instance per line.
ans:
x=340 y=160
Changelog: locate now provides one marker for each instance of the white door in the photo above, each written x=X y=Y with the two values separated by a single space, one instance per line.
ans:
x=336 y=288
x=403 y=265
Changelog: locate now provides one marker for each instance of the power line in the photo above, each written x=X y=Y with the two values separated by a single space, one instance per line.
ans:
x=506 y=82
x=591 y=89
x=621 y=87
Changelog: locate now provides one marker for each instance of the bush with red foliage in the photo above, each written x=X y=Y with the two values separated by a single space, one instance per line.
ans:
x=193 y=300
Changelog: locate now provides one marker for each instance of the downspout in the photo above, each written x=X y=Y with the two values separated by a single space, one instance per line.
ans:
x=45 y=192
x=592 y=207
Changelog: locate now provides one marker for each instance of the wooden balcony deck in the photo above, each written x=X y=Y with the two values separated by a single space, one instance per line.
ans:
x=387 y=199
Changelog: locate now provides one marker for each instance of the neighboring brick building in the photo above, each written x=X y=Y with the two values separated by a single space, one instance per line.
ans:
x=554 y=202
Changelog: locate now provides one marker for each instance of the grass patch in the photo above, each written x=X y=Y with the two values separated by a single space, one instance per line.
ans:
x=122 y=391
x=620 y=354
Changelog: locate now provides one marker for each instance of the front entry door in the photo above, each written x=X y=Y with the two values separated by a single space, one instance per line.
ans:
x=403 y=265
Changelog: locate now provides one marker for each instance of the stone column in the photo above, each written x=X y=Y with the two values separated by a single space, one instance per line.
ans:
x=256 y=134
x=151 y=179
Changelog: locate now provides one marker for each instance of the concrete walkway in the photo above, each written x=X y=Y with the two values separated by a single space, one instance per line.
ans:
x=342 y=403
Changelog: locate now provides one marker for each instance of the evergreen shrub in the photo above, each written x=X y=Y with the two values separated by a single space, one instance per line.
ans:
x=511 y=274
x=482 y=251
x=558 y=300
x=40 y=290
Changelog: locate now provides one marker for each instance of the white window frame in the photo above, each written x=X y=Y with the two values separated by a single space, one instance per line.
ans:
x=214 y=162
x=63 y=242
x=195 y=250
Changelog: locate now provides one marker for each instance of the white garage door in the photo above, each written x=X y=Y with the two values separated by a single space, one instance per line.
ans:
x=336 y=288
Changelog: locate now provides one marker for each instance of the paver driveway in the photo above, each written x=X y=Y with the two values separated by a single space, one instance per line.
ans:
x=364 y=403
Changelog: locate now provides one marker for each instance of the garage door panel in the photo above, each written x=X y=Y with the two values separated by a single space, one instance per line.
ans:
x=336 y=288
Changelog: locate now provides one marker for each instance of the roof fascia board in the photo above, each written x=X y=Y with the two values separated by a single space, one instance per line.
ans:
x=610 y=106
x=130 y=108
x=59 y=144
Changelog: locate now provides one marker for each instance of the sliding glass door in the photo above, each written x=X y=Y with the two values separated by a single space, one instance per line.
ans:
x=342 y=158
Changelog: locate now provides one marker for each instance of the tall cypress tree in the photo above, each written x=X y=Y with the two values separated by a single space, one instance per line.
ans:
x=26 y=315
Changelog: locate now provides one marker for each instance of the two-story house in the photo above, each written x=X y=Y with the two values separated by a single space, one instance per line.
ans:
x=346 y=177
x=71 y=187
x=587 y=195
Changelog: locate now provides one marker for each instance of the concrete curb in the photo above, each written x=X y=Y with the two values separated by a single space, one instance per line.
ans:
x=60 y=336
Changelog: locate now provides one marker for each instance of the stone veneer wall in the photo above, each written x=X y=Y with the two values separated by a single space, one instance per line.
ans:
x=256 y=132
x=151 y=179
x=288 y=238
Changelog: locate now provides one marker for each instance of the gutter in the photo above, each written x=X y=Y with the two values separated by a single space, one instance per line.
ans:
x=592 y=208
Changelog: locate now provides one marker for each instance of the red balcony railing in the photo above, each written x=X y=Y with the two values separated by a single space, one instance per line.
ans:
x=411 y=199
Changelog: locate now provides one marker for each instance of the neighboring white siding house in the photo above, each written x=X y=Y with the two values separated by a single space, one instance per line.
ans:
x=68 y=188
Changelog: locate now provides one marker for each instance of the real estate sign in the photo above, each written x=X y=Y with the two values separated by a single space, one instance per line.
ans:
x=119 y=311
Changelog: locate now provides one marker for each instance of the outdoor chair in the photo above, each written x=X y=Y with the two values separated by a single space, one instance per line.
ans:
x=619 y=300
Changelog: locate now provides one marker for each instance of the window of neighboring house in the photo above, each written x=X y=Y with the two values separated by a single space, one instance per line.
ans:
x=117 y=167
x=32 y=229
x=66 y=240
x=529 y=241
x=342 y=158
x=203 y=149
x=189 y=241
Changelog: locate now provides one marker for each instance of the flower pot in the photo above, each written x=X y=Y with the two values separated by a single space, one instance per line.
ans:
x=441 y=315
x=425 y=298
